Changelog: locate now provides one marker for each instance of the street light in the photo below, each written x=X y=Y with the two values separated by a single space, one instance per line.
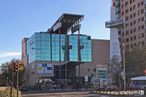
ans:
x=123 y=61
x=124 y=71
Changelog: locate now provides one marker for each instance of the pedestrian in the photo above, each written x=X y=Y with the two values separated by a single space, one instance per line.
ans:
x=62 y=86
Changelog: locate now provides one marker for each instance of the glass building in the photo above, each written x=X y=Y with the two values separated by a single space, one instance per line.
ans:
x=44 y=46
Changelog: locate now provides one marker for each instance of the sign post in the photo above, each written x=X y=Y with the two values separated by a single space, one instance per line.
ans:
x=102 y=74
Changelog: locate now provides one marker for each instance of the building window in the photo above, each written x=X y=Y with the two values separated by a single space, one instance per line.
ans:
x=126 y=11
x=134 y=22
x=127 y=46
x=130 y=8
x=131 y=16
x=139 y=4
x=142 y=34
x=142 y=11
x=131 y=31
x=123 y=40
x=138 y=12
x=135 y=37
x=126 y=25
x=131 y=38
x=142 y=3
x=139 y=43
x=127 y=40
x=130 y=1
x=142 y=18
x=119 y=32
x=126 y=4
x=134 y=44
x=94 y=70
x=134 y=7
x=134 y=14
x=119 y=39
x=131 y=24
x=135 y=29
x=122 y=13
x=127 y=32
x=131 y=45
x=142 y=42
x=126 y=18
x=123 y=34
x=139 y=28
x=142 y=27
x=122 y=5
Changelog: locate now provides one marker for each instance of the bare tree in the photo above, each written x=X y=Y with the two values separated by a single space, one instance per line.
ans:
x=8 y=70
x=115 y=70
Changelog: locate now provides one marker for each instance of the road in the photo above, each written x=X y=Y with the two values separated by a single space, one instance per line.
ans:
x=69 y=94
x=63 y=94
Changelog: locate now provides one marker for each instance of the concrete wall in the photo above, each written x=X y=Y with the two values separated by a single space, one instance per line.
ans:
x=100 y=56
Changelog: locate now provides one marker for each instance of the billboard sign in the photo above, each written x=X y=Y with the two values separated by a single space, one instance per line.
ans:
x=75 y=28
x=86 y=78
x=102 y=73
x=45 y=68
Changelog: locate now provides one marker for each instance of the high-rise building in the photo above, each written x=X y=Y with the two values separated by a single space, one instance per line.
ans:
x=131 y=15
x=115 y=24
x=127 y=26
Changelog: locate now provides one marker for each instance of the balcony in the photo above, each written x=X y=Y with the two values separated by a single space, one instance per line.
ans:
x=114 y=24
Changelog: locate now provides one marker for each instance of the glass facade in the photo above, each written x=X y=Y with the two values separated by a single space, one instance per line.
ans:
x=45 y=47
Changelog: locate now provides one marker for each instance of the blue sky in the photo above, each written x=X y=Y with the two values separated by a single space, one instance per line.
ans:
x=21 y=18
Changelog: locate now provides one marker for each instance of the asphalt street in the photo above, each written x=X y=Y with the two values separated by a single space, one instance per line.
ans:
x=65 y=93
x=70 y=94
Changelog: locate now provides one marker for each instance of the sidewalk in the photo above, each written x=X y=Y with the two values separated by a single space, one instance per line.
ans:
x=56 y=90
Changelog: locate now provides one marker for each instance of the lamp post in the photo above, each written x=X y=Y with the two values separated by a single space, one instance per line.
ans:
x=124 y=72
x=17 y=73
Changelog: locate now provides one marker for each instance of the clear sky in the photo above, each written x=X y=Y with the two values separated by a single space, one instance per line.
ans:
x=21 y=18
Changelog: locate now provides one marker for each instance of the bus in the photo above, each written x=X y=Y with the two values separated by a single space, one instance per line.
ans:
x=138 y=82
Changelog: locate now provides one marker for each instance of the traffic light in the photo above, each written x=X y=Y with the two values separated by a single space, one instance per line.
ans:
x=16 y=67
x=21 y=67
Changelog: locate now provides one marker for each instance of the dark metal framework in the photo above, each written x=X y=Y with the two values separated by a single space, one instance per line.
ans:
x=67 y=21
x=62 y=26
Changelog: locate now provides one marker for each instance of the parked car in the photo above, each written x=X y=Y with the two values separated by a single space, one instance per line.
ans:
x=24 y=88
x=111 y=88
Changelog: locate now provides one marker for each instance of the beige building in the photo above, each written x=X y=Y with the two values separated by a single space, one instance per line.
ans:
x=128 y=16
x=127 y=24
x=133 y=31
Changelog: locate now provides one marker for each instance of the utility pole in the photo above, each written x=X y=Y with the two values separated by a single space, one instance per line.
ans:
x=17 y=73
x=124 y=78
x=17 y=82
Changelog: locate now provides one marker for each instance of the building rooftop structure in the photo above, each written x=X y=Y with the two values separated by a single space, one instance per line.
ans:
x=65 y=23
